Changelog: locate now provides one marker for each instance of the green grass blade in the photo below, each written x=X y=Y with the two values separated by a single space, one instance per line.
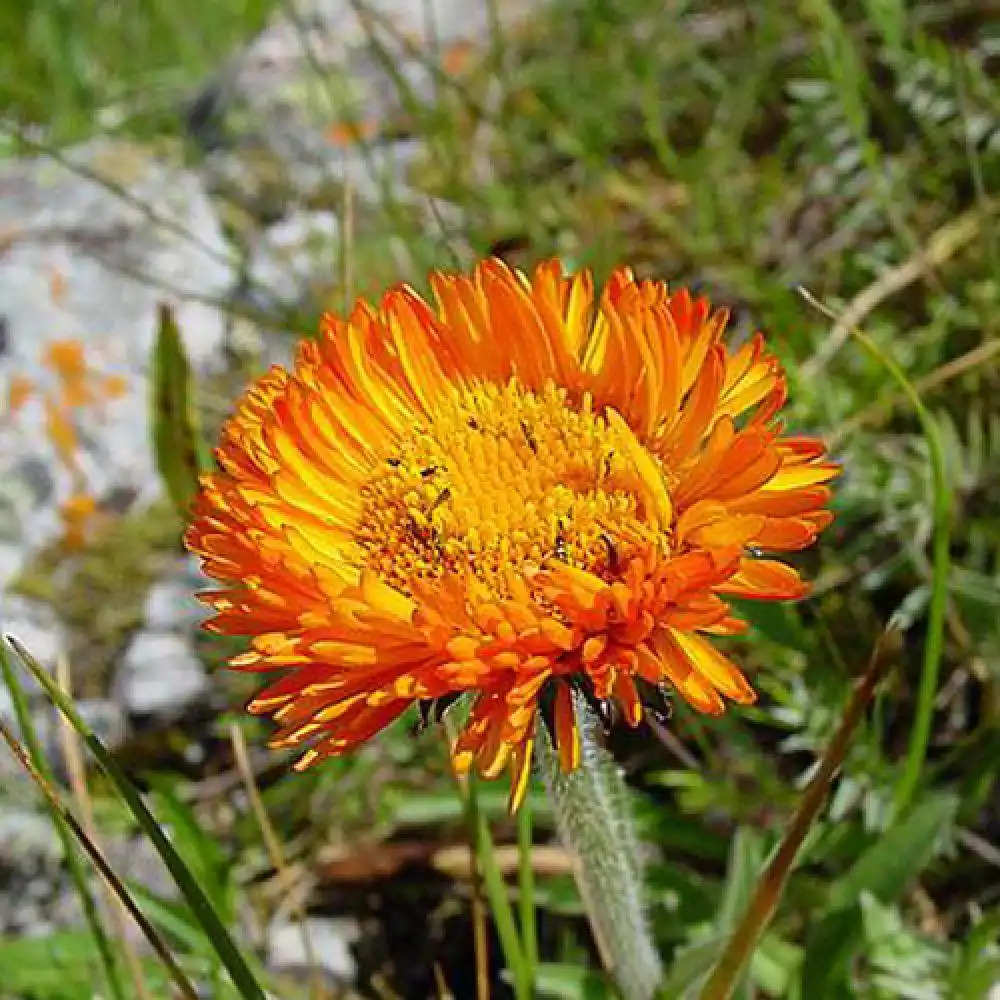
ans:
x=920 y=734
x=73 y=863
x=230 y=956
x=526 y=885
x=184 y=985
x=493 y=883
x=496 y=894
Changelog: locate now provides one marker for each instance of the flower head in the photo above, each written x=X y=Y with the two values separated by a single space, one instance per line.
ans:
x=519 y=491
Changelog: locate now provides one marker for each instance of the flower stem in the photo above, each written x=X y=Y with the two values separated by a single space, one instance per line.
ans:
x=594 y=819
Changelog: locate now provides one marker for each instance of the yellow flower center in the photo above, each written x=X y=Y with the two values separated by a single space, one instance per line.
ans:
x=503 y=478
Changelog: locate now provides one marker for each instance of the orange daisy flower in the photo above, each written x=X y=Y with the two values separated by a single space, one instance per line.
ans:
x=517 y=492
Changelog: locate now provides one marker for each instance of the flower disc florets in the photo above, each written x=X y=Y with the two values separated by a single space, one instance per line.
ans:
x=517 y=493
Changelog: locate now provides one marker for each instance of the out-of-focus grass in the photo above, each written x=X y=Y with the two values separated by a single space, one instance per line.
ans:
x=749 y=149
x=101 y=66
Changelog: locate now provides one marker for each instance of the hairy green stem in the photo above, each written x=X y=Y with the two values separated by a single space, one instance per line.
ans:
x=594 y=819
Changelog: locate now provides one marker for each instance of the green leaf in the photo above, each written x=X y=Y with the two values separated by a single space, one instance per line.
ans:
x=688 y=969
x=571 y=982
x=889 y=865
x=746 y=860
x=884 y=870
x=830 y=945
x=180 y=452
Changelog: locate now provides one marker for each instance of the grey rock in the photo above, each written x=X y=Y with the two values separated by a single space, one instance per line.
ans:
x=296 y=255
x=327 y=939
x=317 y=68
x=37 y=627
x=26 y=833
x=159 y=675
x=172 y=607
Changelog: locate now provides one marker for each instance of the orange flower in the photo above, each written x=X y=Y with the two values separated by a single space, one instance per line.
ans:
x=517 y=493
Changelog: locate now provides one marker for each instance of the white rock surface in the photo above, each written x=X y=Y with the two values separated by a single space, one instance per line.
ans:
x=159 y=675
x=330 y=940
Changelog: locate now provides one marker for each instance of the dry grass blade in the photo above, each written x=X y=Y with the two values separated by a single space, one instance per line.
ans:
x=274 y=851
x=201 y=908
x=944 y=244
x=77 y=771
x=767 y=894
x=176 y=973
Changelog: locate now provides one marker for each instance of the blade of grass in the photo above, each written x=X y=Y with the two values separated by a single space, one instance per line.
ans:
x=493 y=883
x=526 y=885
x=73 y=862
x=184 y=985
x=76 y=769
x=940 y=560
x=726 y=974
x=203 y=911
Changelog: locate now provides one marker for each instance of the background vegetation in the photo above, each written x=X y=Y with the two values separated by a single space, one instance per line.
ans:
x=749 y=149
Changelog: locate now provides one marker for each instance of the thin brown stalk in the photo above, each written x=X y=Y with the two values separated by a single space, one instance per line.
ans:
x=943 y=244
x=726 y=975
x=77 y=772
x=480 y=945
x=275 y=852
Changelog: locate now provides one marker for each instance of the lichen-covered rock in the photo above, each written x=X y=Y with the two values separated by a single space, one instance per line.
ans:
x=83 y=266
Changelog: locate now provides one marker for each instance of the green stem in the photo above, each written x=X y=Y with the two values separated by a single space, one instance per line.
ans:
x=526 y=885
x=594 y=819
x=494 y=886
x=496 y=893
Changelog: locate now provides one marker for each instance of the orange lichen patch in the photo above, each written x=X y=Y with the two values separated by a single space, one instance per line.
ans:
x=57 y=286
x=60 y=431
x=66 y=358
x=456 y=58
x=19 y=391
x=522 y=491
x=350 y=133
x=113 y=386
x=78 y=515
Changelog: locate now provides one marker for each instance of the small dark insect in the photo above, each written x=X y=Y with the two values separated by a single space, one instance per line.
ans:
x=559 y=544
x=445 y=494
x=606 y=464
x=433 y=709
x=473 y=424
x=613 y=563
x=429 y=471
x=394 y=462
x=529 y=437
